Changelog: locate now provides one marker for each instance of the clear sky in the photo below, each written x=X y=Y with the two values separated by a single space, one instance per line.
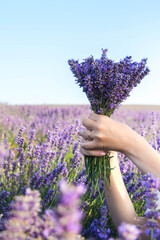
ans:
x=38 y=37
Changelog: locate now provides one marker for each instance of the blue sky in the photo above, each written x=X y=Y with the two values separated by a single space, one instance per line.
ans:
x=38 y=37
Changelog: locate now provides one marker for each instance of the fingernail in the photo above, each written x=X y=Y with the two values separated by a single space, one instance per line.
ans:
x=102 y=154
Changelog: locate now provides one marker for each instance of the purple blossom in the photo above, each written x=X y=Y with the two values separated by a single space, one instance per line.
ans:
x=31 y=143
x=23 y=216
x=99 y=229
x=19 y=139
x=69 y=214
x=128 y=231
x=3 y=155
x=151 y=197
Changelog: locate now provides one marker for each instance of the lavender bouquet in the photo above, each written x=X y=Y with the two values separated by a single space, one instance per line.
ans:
x=106 y=84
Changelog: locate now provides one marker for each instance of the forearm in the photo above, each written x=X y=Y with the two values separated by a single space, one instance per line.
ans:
x=118 y=200
x=119 y=203
x=142 y=154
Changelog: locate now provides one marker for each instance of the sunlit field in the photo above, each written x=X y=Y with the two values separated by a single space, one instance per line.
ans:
x=40 y=159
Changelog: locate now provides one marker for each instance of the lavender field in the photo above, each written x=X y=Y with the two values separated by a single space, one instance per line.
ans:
x=44 y=191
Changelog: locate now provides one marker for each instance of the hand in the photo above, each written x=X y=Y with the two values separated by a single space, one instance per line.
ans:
x=103 y=134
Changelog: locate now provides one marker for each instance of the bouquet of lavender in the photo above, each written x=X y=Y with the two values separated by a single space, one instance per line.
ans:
x=106 y=84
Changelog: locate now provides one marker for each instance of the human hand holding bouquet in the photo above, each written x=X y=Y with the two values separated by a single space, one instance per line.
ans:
x=106 y=84
x=104 y=134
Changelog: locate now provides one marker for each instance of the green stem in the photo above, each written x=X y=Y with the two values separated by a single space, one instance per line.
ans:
x=152 y=238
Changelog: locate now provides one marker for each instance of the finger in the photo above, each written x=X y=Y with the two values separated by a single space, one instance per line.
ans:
x=96 y=153
x=82 y=141
x=89 y=123
x=94 y=116
x=86 y=134
x=89 y=145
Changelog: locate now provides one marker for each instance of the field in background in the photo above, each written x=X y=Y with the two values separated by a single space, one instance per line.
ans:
x=155 y=108
x=134 y=107
x=40 y=146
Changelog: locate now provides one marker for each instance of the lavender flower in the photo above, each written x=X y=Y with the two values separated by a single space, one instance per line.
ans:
x=151 y=213
x=68 y=213
x=23 y=217
x=30 y=143
x=20 y=139
x=3 y=154
x=99 y=229
x=128 y=231
x=103 y=231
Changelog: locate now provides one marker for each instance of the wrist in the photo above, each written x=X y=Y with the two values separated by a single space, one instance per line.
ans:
x=131 y=142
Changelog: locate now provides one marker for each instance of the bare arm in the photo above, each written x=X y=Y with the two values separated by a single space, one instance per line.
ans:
x=110 y=135
x=119 y=202
x=143 y=155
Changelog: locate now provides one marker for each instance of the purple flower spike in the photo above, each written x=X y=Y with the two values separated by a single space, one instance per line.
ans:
x=69 y=214
x=24 y=216
x=152 y=213
x=3 y=155
x=128 y=231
